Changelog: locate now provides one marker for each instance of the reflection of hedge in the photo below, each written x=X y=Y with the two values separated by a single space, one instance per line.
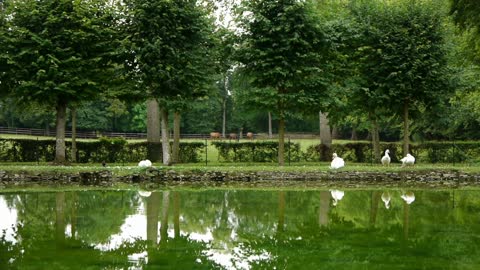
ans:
x=104 y=149
x=430 y=152
x=259 y=151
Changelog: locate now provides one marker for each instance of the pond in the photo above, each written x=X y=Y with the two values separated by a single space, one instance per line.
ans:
x=240 y=229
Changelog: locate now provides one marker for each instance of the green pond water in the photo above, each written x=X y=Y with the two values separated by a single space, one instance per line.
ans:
x=240 y=229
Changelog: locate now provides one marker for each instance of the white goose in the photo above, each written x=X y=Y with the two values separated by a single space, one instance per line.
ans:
x=407 y=160
x=408 y=197
x=337 y=195
x=145 y=163
x=386 y=158
x=386 y=199
x=145 y=194
x=337 y=162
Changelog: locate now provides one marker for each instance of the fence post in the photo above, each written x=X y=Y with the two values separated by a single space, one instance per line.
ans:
x=206 y=152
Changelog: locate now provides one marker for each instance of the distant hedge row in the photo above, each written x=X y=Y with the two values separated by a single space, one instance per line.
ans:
x=105 y=149
x=429 y=152
x=259 y=151
x=118 y=150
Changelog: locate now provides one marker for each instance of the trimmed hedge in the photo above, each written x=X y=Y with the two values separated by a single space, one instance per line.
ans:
x=429 y=152
x=259 y=151
x=118 y=150
x=105 y=149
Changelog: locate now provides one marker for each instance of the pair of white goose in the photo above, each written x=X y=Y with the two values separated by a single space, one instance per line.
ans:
x=407 y=160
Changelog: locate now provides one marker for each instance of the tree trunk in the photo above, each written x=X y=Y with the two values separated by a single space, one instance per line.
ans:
x=324 y=208
x=281 y=141
x=60 y=217
x=270 y=134
x=374 y=207
x=375 y=140
x=165 y=137
x=176 y=214
x=74 y=135
x=60 y=156
x=325 y=137
x=164 y=221
x=153 y=203
x=354 y=136
x=176 y=138
x=224 y=120
x=406 y=130
x=281 y=211
x=334 y=133
x=325 y=133
x=153 y=130
x=73 y=217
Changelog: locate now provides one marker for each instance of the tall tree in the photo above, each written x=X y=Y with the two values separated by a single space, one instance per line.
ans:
x=59 y=52
x=171 y=43
x=281 y=50
x=403 y=60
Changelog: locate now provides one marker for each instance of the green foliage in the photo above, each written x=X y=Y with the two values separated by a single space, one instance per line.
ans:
x=105 y=149
x=265 y=151
x=402 y=56
x=58 y=51
x=171 y=43
x=428 y=152
x=281 y=49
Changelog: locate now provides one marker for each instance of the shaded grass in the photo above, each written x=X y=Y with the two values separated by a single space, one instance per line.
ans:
x=132 y=168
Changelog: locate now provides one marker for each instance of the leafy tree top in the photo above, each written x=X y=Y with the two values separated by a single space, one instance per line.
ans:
x=403 y=56
x=171 y=46
x=57 y=50
x=281 y=44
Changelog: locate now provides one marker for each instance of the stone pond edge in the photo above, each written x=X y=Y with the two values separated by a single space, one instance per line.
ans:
x=152 y=178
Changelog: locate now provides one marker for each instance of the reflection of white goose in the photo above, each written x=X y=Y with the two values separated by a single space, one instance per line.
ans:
x=337 y=195
x=386 y=158
x=386 y=199
x=337 y=162
x=145 y=163
x=408 y=197
x=408 y=160
x=144 y=193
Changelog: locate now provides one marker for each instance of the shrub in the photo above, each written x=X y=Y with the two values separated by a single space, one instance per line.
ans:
x=264 y=151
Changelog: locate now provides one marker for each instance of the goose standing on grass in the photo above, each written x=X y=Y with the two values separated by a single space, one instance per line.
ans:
x=337 y=162
x=145 y=163
x=408 y=197
x=337 y=195
x=386 y=158
x=386 y=199
x=407 y=160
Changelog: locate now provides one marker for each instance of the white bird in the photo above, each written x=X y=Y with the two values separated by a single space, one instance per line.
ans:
x=145 y=163
x=337 y=162
x=144 y=193
x=408 y=197
x=407 y=160
x=386 y=158
x=386 y=199
x=337 y=195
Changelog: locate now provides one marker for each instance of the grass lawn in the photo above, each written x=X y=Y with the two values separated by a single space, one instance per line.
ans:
x=131 y=168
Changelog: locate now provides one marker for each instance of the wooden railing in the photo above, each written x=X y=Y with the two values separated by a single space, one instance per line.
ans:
x=133 y=136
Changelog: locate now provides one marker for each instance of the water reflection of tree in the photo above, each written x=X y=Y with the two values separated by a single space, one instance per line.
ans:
x=295 y=229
